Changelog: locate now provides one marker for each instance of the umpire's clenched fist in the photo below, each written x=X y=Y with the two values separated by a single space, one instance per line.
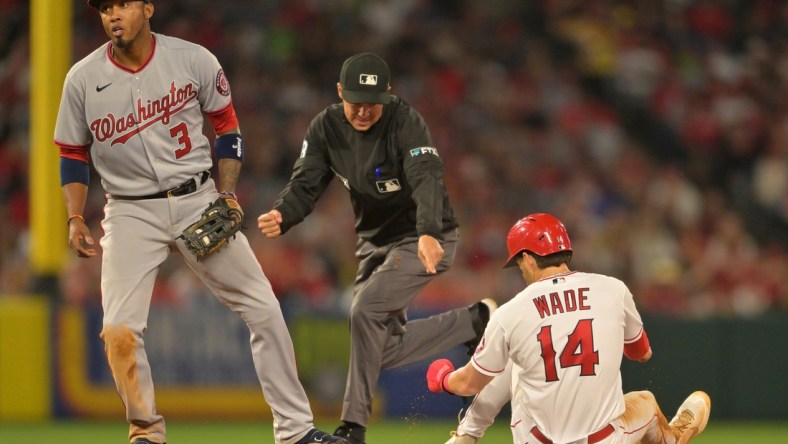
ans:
x=268 y=223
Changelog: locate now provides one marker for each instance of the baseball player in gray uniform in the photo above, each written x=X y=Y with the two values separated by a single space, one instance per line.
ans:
x=135 y=106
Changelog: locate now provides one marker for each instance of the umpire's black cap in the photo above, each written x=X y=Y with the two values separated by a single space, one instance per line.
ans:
x=365 y=79
x=95 y=3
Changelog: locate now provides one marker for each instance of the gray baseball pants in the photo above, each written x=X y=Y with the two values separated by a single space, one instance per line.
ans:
x=138 y=237
x=388 y=279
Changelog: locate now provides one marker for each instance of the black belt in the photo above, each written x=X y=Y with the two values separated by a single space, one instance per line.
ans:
x=187 y=187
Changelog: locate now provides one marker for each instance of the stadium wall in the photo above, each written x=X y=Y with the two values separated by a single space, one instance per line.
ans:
x=52 y=365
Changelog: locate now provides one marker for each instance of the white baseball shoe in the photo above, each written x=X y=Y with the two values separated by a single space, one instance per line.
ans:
x=691 y=418
x=461 y=439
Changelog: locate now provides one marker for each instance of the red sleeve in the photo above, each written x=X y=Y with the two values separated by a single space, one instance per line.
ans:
x=73 y=151
x=223 y=120
x=638 y=348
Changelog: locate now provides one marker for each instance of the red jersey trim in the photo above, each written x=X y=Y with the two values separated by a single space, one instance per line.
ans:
x=476 y=363
x=152 y=52
x=634 y=338
x=560 y=275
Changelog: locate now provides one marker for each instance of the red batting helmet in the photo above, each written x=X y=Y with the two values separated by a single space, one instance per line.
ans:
x=540 y=233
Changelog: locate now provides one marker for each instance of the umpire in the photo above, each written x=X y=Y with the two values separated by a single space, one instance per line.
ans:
x=380 y=149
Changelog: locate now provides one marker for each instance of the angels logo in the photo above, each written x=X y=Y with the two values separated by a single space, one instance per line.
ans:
x=222 y=84
x=481 y=346
x=146 y=114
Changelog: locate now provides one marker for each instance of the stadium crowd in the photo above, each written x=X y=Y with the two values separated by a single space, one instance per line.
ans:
x=658 y=131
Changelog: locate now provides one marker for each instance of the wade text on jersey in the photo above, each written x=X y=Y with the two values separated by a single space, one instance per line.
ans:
x=566 y=301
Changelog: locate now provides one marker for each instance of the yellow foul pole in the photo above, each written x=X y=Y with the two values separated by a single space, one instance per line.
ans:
x=50 y=59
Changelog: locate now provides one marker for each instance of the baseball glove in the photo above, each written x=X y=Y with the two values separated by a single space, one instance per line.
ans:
x=217 y=224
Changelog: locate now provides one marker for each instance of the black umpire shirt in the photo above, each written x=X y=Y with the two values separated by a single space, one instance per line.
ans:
x=392 y=171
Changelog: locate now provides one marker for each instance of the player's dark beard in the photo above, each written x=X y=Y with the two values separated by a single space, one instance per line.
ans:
x=120 y=43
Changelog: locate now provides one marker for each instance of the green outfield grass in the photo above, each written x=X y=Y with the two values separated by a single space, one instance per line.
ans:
x=390 y=432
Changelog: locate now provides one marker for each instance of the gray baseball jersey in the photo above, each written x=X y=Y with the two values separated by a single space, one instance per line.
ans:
x=144 y=130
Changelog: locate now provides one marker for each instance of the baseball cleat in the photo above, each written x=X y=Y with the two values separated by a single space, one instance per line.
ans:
x=461 y=439
x=691 y=418
x=354 y=433
x=144 y=441
x=316 y=436
x=480 y=316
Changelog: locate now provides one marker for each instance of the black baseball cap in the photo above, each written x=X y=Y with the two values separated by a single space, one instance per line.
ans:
x=95 y=3
x=365 y=79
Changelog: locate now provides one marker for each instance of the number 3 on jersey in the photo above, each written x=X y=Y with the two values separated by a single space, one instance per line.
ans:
x=579 y=350
x=181 y=132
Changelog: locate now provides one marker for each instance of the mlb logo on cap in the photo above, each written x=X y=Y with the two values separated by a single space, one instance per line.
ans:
x=368 y=79
x=365 y=79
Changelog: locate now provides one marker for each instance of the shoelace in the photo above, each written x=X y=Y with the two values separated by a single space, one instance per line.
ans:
x=453 y=433
x=682 y=421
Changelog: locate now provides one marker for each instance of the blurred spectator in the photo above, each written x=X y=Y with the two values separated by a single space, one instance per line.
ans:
x=659 y=133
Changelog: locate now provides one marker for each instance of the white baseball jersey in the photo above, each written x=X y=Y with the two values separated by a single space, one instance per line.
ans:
x=154 y=140
x=567 y=334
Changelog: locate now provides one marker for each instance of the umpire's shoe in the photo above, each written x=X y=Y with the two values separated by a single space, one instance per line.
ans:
x=316 y=436
x=354 y=433
x=480 y=316
x=691 y=418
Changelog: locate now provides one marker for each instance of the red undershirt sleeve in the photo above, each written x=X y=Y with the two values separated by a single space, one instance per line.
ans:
x=223 y=120
x=638 y=348
x=73 y=152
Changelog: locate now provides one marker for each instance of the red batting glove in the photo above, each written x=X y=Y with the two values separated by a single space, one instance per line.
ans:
x=436 y=374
